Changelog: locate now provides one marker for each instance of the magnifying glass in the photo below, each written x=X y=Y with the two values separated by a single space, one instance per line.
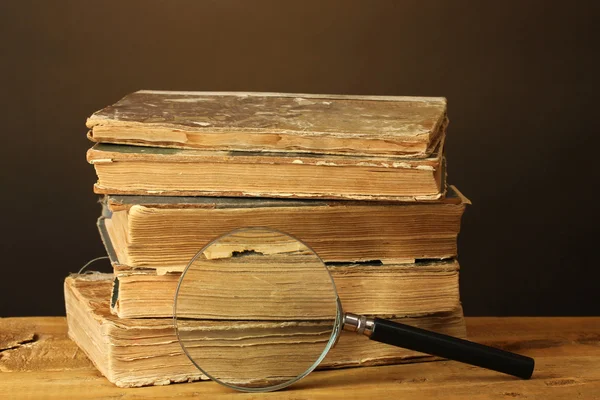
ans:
x=257 y=310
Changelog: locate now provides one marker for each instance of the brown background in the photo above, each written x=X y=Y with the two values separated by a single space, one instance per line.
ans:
x=520 y=77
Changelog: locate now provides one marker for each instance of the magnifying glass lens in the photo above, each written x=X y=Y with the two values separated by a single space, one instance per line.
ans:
x=256 y=310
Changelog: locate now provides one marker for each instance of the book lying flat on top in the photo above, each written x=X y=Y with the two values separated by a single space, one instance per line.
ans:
x=274 y=122
x=136 y=170
x=165 y=232
x=145 y=351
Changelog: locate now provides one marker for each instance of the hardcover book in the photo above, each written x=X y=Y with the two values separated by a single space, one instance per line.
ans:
x=164 y=233
x=275 y=122
x=145 y=351
x=395 y=290
x=136 y=170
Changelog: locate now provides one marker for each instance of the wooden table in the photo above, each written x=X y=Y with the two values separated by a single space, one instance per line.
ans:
x=37 y=360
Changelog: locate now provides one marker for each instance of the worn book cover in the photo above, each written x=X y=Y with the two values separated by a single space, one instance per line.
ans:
x=275 y=122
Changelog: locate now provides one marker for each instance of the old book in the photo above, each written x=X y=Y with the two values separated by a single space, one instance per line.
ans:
x=392 y=290
x=395 y=290
x=138 y=352
x=274 y=122
x=136 y=170
x=165 y=232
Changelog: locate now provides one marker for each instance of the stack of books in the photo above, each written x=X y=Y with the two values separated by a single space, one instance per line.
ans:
x=359 y=179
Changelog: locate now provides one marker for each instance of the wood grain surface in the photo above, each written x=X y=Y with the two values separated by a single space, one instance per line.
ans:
x=567 y=353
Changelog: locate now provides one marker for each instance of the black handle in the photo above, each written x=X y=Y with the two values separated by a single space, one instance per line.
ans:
x=453 y=348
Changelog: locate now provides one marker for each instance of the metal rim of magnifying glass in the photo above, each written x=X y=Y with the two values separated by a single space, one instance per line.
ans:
x=339 y=320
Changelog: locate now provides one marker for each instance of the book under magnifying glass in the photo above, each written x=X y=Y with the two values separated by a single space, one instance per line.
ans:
x=257 y=310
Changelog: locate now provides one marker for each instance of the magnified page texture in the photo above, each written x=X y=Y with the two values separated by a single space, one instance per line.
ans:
x=268 y=308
